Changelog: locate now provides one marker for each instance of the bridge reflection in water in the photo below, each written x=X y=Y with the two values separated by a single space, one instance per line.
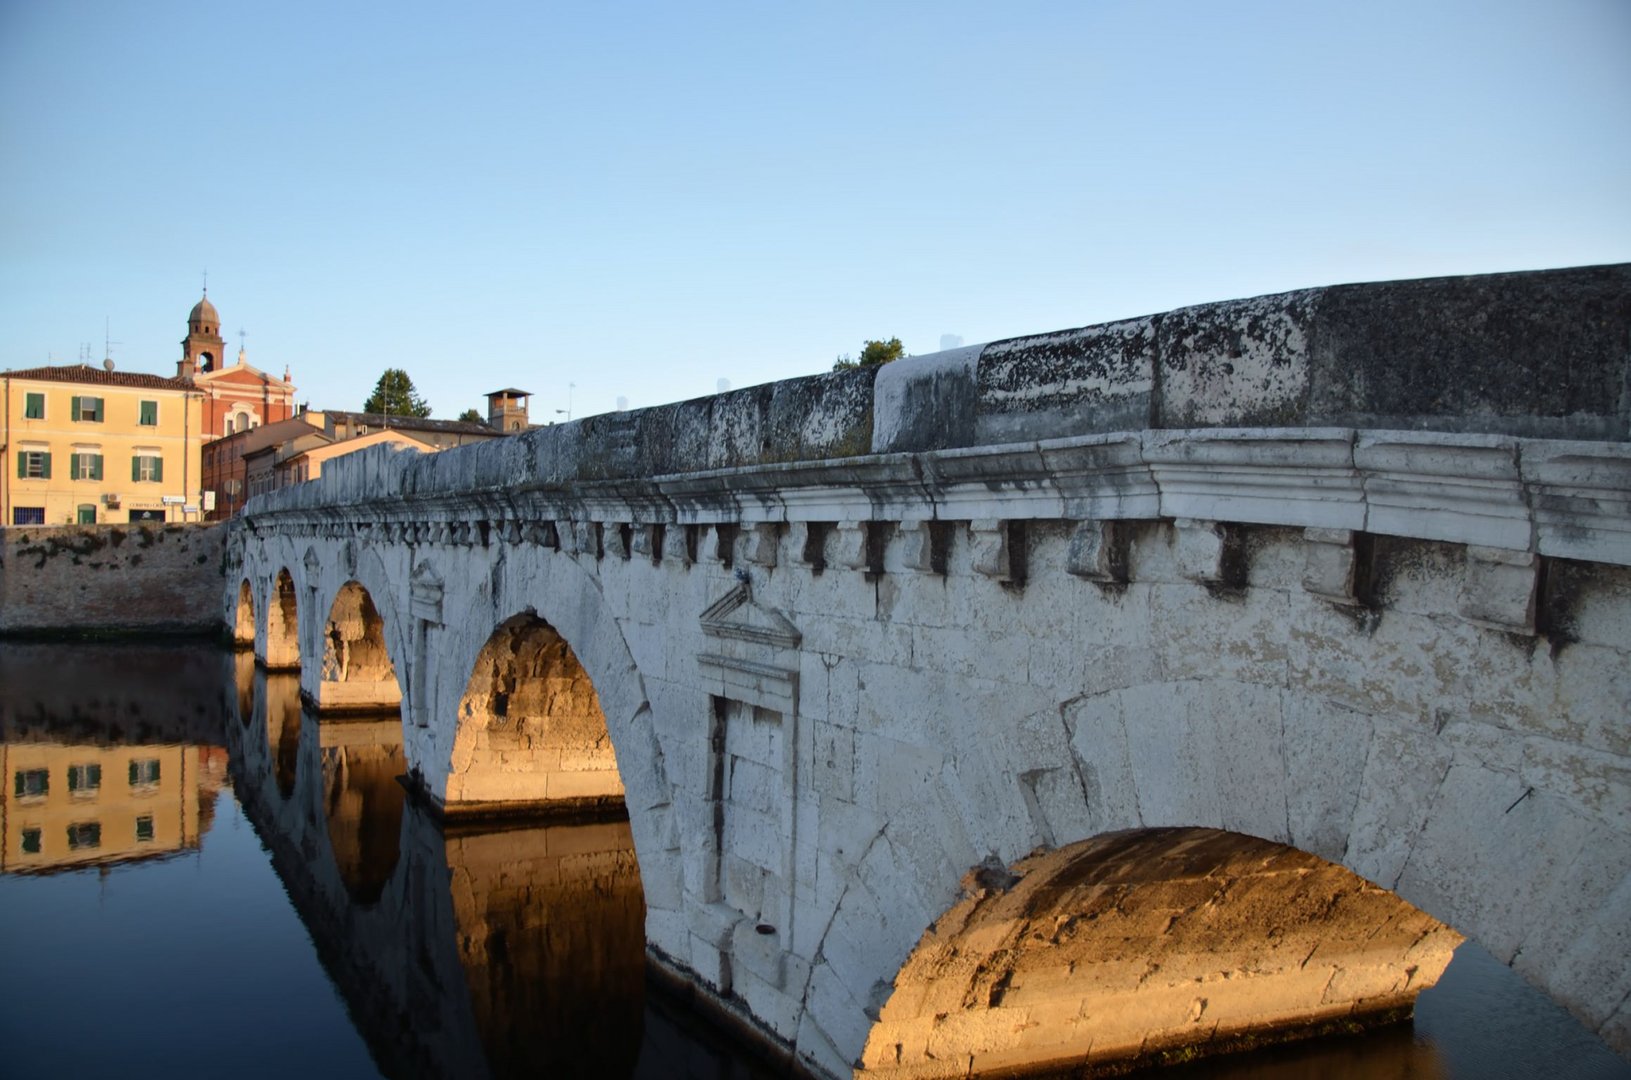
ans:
x=521 y=947
x=458 y=951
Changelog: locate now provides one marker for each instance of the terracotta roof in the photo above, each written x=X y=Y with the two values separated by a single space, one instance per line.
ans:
x=414 y=423
x=86 y=373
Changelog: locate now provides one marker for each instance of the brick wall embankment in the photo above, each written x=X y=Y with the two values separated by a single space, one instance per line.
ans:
x=98 y=579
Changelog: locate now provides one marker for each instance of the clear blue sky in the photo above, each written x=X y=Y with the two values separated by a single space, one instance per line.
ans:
x=642 y=198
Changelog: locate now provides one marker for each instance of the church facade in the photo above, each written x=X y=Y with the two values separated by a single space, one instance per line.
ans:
x=237 y=397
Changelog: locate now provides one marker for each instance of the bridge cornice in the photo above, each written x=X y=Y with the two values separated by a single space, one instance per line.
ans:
x=1560 y=498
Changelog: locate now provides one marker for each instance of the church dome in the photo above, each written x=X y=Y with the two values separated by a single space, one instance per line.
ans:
x=204 y=312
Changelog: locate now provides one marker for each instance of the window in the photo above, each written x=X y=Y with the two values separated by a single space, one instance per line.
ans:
x=85 y=465
x=32 y=783
x=144 y=829
x=149 y=414
x=31 y=841
x=84 y=779
x=230 y=429
x=34 y=407
x=84 y=834
x=88 y=409
x=144 y=773
x=87 y=513
x=147 y=467
x=28 y=515
x=33 y=465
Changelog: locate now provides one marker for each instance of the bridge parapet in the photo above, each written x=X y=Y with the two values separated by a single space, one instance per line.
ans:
x=1542 y=355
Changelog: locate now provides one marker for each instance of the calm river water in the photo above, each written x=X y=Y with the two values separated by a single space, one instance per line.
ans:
x=200 y=880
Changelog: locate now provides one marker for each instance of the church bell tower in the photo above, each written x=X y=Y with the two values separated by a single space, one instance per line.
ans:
x=202 y=349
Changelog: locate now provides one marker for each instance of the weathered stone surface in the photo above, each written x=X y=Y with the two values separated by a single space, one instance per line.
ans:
x=927 y=402
x=1520 y=353
x=1098 y=378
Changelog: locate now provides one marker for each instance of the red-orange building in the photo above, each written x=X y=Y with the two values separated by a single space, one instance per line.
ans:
x=235 y=398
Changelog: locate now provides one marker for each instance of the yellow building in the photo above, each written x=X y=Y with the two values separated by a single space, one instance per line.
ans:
x=89 y=444
x=73 y=806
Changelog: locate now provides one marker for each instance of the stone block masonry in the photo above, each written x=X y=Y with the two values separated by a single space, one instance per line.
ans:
x=110 y=579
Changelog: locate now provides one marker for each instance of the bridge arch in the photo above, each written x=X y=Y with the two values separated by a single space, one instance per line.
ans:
x=530 y=729
x=1429 y=819
x=542 y=585
x=357 y=673
x=1131 y=946
x=243 y=621
x=283 y=624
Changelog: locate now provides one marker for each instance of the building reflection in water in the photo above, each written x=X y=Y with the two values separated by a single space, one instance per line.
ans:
x=459 y=951
x=98 y=773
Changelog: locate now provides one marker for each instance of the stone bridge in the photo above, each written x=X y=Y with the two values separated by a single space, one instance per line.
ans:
x=1102 y=695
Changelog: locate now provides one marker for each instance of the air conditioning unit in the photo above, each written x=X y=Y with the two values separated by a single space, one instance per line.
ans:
x=111 y=500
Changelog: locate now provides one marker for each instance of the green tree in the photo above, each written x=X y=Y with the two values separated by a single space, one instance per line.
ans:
x=471 y=416
x=873 y=353
x=394 y=394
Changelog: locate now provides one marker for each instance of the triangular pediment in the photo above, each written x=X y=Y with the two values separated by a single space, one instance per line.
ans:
x=736 y=615
x=238 y=374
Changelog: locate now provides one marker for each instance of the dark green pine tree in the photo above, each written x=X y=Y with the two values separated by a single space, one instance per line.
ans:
x=394 y=395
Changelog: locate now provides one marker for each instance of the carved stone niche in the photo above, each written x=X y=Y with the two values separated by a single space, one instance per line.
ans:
x=742 y=662
x=748 y=873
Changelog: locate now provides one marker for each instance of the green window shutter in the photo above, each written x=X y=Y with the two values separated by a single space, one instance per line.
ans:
x=136 y=467
x=45 y=466
x=158 y=468
x=34 y=407
x=96 y=466
x=132 y=774
x=96 y=776
x=22 y=464
x=73 y=466
x=73 y=410
x=101 y=409
x=150 y=413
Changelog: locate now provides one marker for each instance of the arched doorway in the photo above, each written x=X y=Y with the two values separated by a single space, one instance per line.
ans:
x=357 y=676
x=1148 y=946
x=283 y=626
x=531 y=733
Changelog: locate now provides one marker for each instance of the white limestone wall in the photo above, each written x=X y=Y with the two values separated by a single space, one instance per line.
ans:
x=934 y=721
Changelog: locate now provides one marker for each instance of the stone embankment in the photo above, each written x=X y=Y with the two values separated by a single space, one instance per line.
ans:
x=69 y=580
